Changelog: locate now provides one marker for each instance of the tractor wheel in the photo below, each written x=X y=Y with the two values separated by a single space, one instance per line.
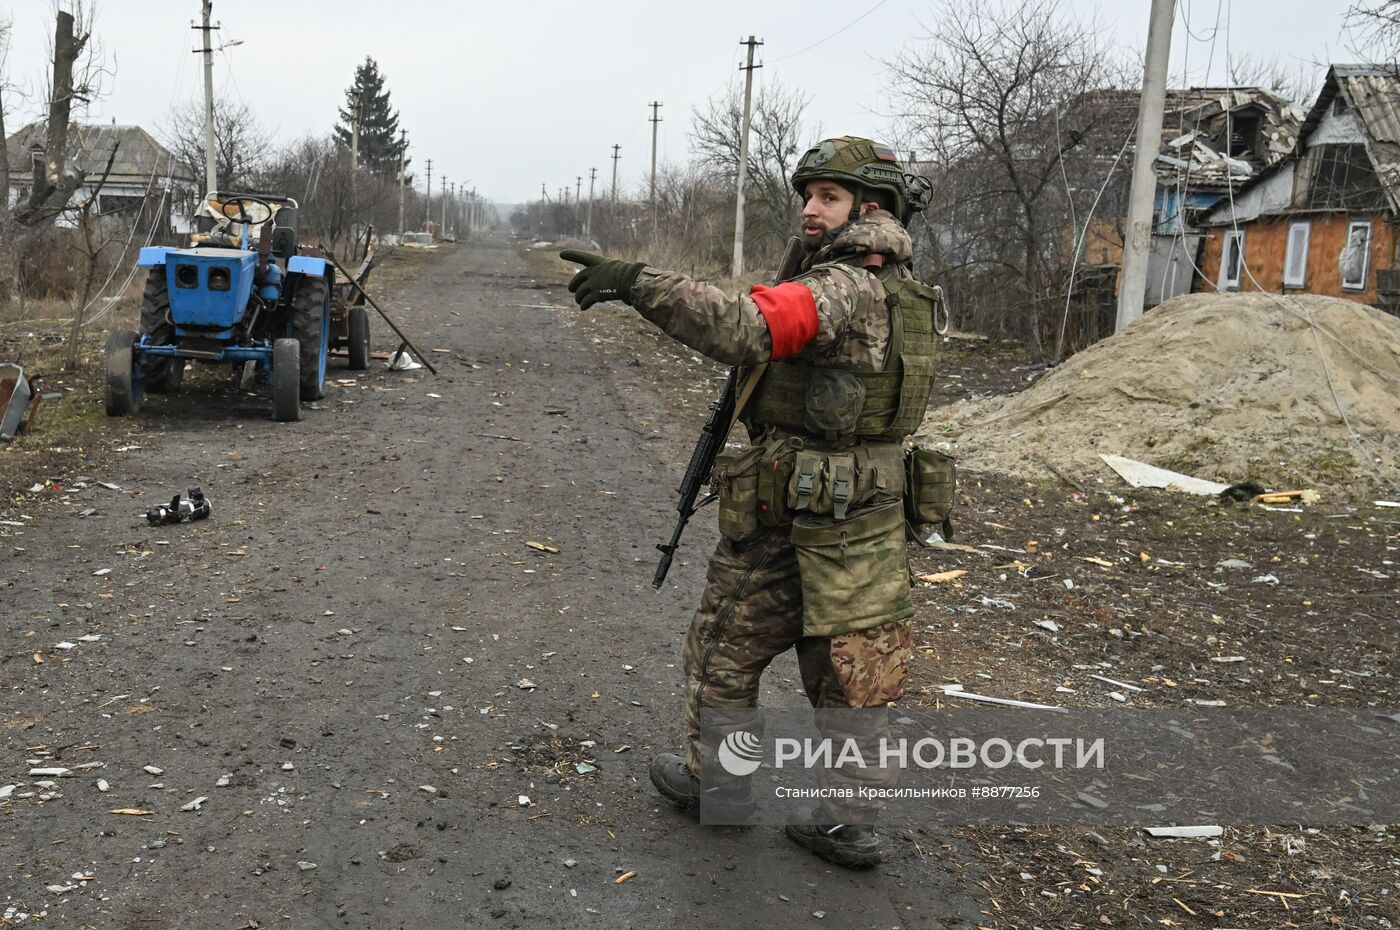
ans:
x=286 y=381
x=162 y=375
x=359 y=338
x=122 y=391
x=311 y=327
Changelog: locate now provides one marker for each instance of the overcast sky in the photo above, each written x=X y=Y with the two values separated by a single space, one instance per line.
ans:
x=506 y=96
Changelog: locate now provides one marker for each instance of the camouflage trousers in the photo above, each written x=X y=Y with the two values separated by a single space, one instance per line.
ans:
x=751 y=613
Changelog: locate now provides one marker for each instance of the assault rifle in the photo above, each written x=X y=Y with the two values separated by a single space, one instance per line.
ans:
x=713 y=436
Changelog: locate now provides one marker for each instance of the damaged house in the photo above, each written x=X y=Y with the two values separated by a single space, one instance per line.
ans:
x=1322 y=221
x=1215 y=140
x=140 y=168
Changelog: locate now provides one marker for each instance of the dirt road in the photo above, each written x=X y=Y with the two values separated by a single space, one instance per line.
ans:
x=389 y=708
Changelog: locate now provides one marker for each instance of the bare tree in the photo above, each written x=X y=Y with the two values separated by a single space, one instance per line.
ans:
x=1004 y=97
x=776 y=140
x=4 y=148
x=1298 y=82
x=240 y=143
x=1373 y=29
x=79 y=69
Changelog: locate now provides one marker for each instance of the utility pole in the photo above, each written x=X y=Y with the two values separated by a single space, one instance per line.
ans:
x=655 y=122
x=1132 y=284
x=453 y=197
x=428 y=216
x=403 y=149
x=211 y=171
x=615 y=157
x=588 y=217
x=748 y=70
x=544 y=196
x=578 y=198
x=442 y=195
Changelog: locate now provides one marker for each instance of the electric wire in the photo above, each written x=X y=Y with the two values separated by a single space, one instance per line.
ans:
x=803 y=51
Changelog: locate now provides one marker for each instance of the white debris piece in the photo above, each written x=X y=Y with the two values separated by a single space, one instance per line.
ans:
x=152 y=770
x=1185 y=833
x=1142 y=475
x=1009 y=702
x=56 y=772
x=194 y=805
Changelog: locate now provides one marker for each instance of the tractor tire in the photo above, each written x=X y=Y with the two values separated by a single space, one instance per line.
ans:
x=309 y=328
x=358 y=323
x=162 y=375
x=122 y=389
x=286 y=381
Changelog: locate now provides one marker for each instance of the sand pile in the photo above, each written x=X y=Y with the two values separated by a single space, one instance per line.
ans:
x=1225 y=387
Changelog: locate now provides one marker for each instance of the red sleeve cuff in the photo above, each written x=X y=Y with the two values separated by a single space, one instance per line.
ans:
x=790 y=311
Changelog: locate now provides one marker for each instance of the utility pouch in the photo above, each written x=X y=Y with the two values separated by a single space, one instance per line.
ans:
x=833 y=403
x=736 y=482
x=774 y=476
x=855 y=572
x=930 y=479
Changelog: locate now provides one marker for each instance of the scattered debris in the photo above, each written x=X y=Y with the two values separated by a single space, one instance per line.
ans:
x=943 y=577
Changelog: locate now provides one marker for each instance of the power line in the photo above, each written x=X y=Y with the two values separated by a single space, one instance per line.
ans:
x=803 y=51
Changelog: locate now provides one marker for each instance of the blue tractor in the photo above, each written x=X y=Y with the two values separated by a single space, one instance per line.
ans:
x=245 y=294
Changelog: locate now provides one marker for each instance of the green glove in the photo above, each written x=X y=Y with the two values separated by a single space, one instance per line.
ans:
x=601 y=278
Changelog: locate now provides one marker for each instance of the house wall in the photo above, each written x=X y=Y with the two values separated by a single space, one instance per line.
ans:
x=1266 y=245
x=1332 y=128
x=1274 y=192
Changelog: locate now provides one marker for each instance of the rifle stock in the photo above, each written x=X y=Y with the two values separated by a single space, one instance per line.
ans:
x=712 y=438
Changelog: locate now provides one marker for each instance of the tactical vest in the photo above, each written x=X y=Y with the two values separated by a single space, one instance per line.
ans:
x=841 y=406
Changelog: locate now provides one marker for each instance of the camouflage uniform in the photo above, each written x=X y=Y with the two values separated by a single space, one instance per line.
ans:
x=752 y=609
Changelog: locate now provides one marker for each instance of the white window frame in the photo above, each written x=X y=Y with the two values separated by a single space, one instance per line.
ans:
x=1225 y=283
x=1365 y=257
x=1300 y=280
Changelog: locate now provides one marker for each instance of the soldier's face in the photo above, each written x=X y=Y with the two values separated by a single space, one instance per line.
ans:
x=828 y=205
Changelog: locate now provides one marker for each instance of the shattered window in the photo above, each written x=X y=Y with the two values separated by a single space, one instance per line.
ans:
x=1295 y=263
x=1355 y=256
x=1342 y=178
x=1231 y=260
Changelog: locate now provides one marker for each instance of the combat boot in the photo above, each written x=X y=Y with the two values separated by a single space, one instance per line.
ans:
x=853 y=845
x=674 y=779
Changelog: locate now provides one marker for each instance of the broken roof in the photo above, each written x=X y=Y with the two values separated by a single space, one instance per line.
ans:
x=139 y=156
x=1198 y=126
x=1374 y=92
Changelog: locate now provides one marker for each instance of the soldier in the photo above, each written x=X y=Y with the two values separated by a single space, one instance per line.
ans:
x=812 y=554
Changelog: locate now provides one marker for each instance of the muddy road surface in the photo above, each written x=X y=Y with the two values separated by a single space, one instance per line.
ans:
x=369 y=692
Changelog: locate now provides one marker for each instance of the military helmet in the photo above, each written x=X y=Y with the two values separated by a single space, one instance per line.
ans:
x=861 y=164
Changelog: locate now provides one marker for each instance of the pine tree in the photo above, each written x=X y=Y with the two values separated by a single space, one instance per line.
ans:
x=379 y=122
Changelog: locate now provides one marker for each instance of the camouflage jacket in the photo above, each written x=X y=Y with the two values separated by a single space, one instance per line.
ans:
x=853 y=321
